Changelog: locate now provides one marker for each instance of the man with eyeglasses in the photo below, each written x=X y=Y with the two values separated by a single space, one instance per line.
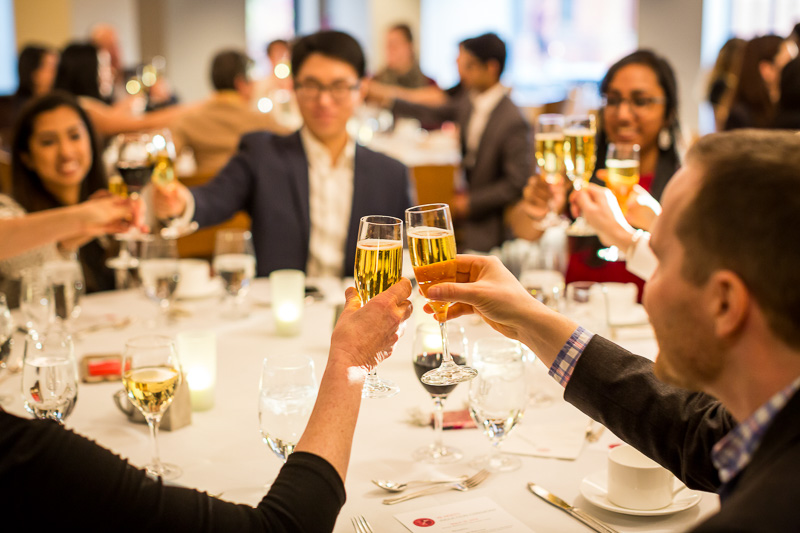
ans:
x=305 y=192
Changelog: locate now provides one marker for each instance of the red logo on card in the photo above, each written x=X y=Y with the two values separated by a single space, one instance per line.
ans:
x=423 y=522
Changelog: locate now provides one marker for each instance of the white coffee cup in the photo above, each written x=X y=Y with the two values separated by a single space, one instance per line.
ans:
x=195 y=278
x=636 y=481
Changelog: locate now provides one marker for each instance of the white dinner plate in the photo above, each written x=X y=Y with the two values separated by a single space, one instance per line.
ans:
x=594 y=488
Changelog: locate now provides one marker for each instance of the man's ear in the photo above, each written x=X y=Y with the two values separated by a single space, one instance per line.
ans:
x=728 y=302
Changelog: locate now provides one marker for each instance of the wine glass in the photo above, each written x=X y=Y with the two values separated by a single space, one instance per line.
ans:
x=579 y=160
x=151 y=375
x=549 y=148
x=159 y=272
x=235 y=263
x=36 y=299
x=432 y=245
x=497 y=397
x=378 y=266
x=135 y=162
x=427 y=355
x=288 y=391
x=65 y=278
x=164 y=156
x=6 y=331
x=49 y=375
x=622 y=163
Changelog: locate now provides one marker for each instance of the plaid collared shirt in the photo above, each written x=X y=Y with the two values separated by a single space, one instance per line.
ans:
x=565 y=361
x=731 y=454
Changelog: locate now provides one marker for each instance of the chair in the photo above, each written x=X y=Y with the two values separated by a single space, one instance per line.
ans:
x=200 y=244
x=434 y=184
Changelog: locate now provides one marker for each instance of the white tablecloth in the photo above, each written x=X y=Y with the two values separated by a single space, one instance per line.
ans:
x=222 y=450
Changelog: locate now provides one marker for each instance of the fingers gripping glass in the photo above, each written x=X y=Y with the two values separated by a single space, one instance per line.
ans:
x=432 y=246
x=311 y=89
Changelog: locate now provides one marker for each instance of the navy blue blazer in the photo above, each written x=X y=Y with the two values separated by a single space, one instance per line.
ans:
x=268 y=178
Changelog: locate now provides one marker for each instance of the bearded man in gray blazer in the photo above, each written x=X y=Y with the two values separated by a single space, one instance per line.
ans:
x=495 y=141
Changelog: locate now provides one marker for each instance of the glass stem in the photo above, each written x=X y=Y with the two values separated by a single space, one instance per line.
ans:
x=153 y=422
x=438 y=412
x=446 y=359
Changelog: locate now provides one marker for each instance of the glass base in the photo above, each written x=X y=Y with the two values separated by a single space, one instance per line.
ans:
x=164 y=471
x=497 y=463
x=448 y=374
x=610 y=254
x=375 y=387
x=581 y=228
x=122 y=262
x=438 y=455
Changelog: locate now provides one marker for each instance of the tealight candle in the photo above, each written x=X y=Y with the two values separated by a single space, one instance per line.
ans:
x=288 y=291
x=198 y=354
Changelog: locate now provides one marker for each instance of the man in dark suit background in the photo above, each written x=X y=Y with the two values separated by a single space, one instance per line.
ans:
x=495 y=141
x=720 y=408
x=305 y=192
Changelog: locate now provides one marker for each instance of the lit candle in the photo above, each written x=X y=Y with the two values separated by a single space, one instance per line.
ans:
x=288 y=291
x=198 y=354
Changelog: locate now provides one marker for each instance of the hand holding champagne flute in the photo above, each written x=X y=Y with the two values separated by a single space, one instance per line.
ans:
x=579 y=159
x=622 y=163
x=432 y=245
x=378 y=266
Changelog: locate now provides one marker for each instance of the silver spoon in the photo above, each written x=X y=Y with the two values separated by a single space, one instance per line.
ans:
x=394 y=486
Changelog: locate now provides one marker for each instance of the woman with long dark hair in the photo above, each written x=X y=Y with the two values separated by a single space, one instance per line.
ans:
x=756 y=94
x=36 y=71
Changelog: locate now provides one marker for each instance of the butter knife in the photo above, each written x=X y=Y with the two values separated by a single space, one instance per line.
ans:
x=576 y=513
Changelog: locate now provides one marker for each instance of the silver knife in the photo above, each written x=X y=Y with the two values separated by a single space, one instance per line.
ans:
x=576 y=513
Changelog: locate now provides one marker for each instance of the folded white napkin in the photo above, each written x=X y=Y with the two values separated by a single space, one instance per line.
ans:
x=557 y=431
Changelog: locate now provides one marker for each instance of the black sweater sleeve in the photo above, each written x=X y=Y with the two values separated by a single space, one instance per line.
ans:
x=56 y=478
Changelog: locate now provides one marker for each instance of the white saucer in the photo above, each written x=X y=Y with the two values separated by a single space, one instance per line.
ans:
x=594 y=489
x=212 y=288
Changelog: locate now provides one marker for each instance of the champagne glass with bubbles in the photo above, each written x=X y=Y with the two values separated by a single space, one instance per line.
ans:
x=151 y=375
x=432 y=245
x=378 y=266
x=49 y=375
x=549 y=149
x=235 y=263
x=579 y=160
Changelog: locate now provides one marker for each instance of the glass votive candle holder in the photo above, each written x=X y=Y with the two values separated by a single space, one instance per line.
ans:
x=287 y=288
x=197 y=351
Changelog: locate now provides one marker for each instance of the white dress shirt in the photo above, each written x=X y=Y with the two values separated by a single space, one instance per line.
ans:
x=482 y=106
x=330 y=190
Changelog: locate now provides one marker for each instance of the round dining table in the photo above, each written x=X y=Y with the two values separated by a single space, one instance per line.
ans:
x=221 y=451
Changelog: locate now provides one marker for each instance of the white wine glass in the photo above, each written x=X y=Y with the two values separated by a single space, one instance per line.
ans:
x=432 y=245
x=151 y=375
x=235 y=263
x=288 y=390
x=159 y=272
x=426 y=355
x=378 y=266
x=579 y=159
x=497 y=397
x=36 y=299
x=49 y=375
x=622 y=164
x=549 y=149
x=164 y=175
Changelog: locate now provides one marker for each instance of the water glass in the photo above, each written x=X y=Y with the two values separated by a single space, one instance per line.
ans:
x=65 y=277
x=235 y=263
x=159 y=272
x=36 y=299
x=49 y=375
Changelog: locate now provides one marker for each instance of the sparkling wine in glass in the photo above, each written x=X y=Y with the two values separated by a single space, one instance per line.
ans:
x=427 y=355
x=497 y=397
x=288 y=391
x=235 y=263
x=151 y=375
x=49 y=375
x=622 y=164
x=580 y=158
x=432 y=245
x=549 y=149
x=378 y=266
x=159 y=272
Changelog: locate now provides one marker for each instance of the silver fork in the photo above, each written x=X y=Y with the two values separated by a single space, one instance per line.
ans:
x=469 y=483
x=361 y=525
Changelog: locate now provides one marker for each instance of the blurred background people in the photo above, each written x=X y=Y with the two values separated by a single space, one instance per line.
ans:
x=787 y=115
x=36 y=69
x=724 y=78
x=213 y=129
x=753 y=103
x=402 y=67
x=274 y=93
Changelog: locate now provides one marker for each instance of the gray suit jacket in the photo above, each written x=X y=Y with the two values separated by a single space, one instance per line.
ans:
x=501 y=168
x=677 y=428
x=268 y=178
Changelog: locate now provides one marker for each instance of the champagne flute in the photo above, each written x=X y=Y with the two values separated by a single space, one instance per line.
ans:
x=579 y=149
x=159 y=272
x=427 y=355
x=432 y=245
x=288 y=390
x=622 y=163
x=549 y=149
x=378 y=266
x=164 y=156
x=151 y=374
x=49 y=375
x=497 y=397
x=235 y=263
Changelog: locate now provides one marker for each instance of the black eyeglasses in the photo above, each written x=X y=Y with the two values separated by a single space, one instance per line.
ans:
x=636 y=102
x=311 y=90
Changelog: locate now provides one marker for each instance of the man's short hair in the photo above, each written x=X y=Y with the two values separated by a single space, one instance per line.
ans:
x=226 y=67
x=745 y=218
x=276 y=42
x=404 y=29
x=332 y=44
x=487 y=47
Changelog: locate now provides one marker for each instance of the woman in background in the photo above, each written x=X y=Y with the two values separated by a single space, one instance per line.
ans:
x=36 y=70
x=753 y=104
